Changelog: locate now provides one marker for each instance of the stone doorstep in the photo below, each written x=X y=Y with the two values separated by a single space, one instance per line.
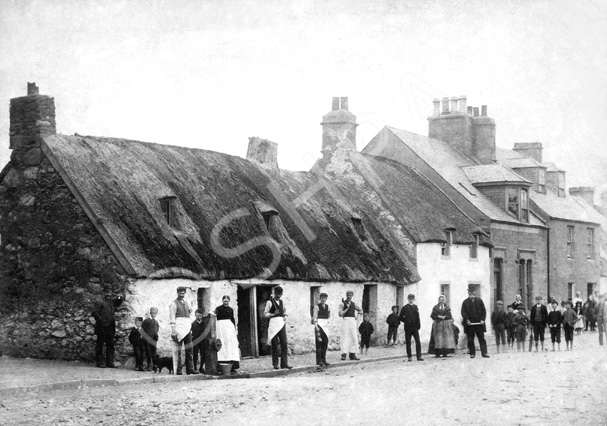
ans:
x=75 y=384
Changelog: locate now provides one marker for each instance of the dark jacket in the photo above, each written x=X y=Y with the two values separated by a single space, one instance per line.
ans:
x=365 y=329
x=473 y=310
x=103 y=311
x=198 y=328
x=544 y=313
x=555 y=318
x=498 y=318
x=393 y=320
x=135 y=337
x=150 y=327
x=409 y=315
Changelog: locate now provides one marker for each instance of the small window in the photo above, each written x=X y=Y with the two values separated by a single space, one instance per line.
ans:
x=570 y=241
x=569 y=291
x=512 y=200
x=446 y=246
x=269 y=217
x=541 y=181
x=524 y=206
x=358 y=227
x=590 y=243
x=446 y=292
x=167 y=207
x=474 y=247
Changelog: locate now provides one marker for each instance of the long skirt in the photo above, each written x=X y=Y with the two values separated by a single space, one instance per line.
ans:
x=441 y=339
x=349 y=337
x=230 y=351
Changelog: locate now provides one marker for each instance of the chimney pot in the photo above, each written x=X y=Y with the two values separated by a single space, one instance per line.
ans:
x=470 y=110
x=436 y=103
x=484 y=110
x=462 y=104
x=445 y=105
x=335 y=105
x=263 y=151
x=344 y=103
x=453 y=107
x=476 y=111
x=32 y=89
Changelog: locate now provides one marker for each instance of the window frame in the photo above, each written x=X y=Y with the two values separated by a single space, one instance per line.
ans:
x=590 y=243
x=446 y=247
x=446 y=285
x=513 y=190
x=570 y=241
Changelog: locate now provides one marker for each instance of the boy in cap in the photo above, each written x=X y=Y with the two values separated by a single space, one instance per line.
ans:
x=366 y=330
x=569 y=319
x=510 y=334
x=499 y=323
x=105 y=326
x=555 y=318
x=136 y=339
x=150 y=329
x=521 y=322
x=409 y=316
x=539 y=318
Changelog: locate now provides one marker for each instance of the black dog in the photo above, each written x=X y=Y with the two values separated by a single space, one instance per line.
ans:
x=162 y=362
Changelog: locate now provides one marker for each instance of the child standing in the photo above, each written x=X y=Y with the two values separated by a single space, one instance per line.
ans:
x=150 y=336
x=393 y=323
x=136 y=340
x=510 y=332
x=366 y=330
x=499 y=321
x=555 y=318
x=569 y=320
x=521 y=321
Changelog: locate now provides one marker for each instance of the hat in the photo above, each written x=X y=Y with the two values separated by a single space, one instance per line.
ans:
x=411 y=296
x=278 y=290
x=471 y=288
x=499 y=302
x=181 y=288
x=538 y=297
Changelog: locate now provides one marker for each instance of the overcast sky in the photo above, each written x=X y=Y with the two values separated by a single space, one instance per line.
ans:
x=210 y=74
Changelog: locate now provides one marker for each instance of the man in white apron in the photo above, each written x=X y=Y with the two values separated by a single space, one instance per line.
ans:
x=320 y=319
x=349 y=334
x=180 y=322
x=277 y=330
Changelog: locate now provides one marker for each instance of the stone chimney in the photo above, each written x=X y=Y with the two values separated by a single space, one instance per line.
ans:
x=31 y=118
x=461 y=126
x=530 y=150
x=338 y=129
x=584 y=192
x=263 y=151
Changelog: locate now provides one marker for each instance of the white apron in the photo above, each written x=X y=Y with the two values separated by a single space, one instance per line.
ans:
x=226 y=332
x=276 y=324
x=349 y=336
x=183 y=326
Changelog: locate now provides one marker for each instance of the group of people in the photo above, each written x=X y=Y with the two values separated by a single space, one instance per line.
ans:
x=509 y=326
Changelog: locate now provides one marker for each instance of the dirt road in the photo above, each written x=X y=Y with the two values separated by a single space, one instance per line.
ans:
x=556 y=388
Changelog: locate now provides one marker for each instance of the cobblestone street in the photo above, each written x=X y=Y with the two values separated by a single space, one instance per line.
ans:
x=557 y=388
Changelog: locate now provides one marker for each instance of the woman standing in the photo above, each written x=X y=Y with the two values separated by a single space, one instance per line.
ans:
x=441 y=340
x=517 y=304
x=226 y=332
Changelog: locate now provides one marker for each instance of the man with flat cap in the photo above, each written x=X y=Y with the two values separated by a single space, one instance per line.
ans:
x=181 y=325
x=474 y=315
x=539 y=319
x=105 y=326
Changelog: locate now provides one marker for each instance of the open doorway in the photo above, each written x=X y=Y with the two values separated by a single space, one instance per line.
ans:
x=263 y=295
x=203 y=297
x=369 y=306
x=246 y=321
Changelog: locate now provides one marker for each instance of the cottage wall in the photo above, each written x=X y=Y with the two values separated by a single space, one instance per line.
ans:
x=457 y=270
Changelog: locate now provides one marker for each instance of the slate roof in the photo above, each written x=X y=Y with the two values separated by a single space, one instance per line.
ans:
x=493 y=173
x=120 y=183
x=515 y=160
x=449 y=163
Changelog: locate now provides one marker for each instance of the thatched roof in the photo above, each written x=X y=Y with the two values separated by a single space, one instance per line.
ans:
x=120 y=184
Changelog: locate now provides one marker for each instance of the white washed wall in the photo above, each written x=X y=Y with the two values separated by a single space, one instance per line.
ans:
x=458 y=270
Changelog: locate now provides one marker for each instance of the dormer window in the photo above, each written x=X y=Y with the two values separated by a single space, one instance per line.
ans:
x=357 y=223
x=167 y=207
x=512 y=200
x=524 y=205
x=446 y=246
x=517 y=203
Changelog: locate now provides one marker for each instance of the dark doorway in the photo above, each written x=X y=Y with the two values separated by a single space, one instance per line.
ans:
x=497 y=278
x=263 y=295
x=244 y=321
x=590 y=289
x=204 y=300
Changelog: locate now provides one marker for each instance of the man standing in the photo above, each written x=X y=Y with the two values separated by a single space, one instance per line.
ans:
x=200 y=333
x=320 y=319
x=601 y=317
x=474 y=315
x=349 y=333
x=539 y=319
x=150 y=334
x=409 y=315
x=277 y=330
x=105 y=326
x=179 y=320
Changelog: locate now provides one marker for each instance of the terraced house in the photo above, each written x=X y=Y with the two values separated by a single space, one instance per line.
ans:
x=78 y=212
x=544 y=241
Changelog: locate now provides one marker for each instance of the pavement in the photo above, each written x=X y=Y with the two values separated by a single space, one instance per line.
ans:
x=29 y=375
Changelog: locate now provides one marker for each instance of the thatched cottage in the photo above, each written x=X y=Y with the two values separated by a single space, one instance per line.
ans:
x=77 y=212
